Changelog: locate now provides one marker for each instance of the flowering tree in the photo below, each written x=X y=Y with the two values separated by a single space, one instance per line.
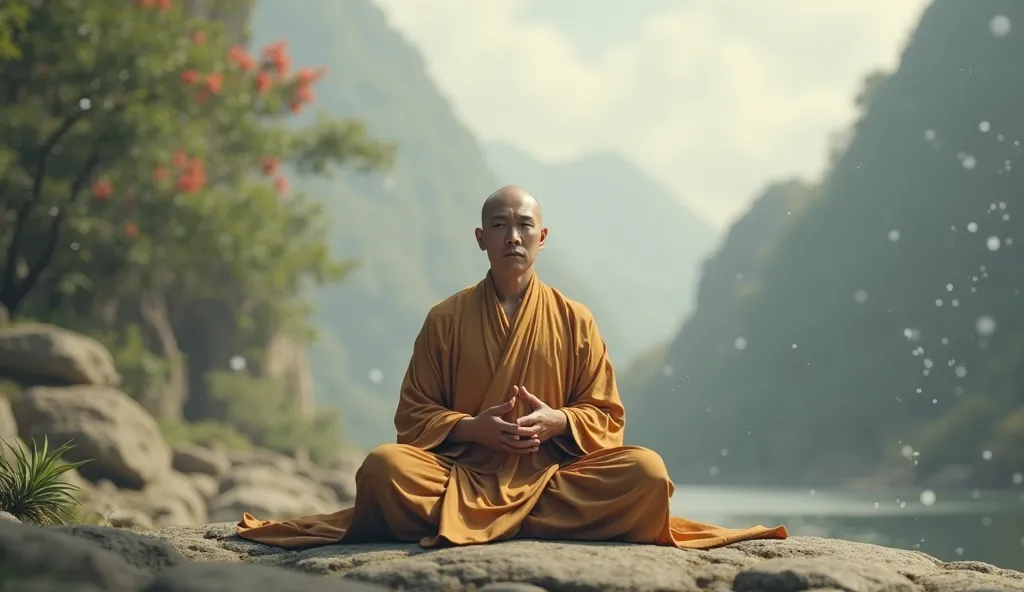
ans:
x=143 y=168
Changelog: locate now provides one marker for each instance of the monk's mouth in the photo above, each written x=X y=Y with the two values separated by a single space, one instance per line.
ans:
x=515 y=254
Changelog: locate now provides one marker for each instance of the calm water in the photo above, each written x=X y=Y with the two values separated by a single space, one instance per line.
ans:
x=951 y=525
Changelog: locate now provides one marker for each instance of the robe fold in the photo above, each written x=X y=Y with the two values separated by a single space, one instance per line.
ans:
x=582 y=485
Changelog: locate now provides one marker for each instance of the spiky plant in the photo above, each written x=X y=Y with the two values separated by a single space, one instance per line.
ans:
x=31 y=487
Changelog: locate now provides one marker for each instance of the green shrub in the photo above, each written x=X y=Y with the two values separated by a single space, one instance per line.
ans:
x=31 y=487
x=204 y=433
x=264 y=411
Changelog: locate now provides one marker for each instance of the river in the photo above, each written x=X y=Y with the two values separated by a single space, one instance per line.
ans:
x=967 y=525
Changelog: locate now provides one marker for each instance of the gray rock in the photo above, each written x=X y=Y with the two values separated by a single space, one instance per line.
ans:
x=234 y=577
x=51 y=355
x=33 y=558
x=798 y=563
x=190 y=458
x=143 y=552
x=8 y=517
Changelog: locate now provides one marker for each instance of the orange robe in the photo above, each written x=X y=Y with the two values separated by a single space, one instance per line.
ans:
x=582 y=485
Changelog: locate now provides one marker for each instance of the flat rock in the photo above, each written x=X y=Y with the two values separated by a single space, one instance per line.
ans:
x=50 y=354
x=796 y=564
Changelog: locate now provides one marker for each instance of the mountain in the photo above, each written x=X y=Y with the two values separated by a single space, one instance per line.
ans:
x=628 y=237
x=884 y=323
x=411 y=231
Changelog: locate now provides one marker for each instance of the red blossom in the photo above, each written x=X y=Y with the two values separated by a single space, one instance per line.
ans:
x=241 y=58
x=308 y=76
x=304 y=94
x=281 y=185
x=163 y=4
x=179 y=158
x=203 y=96
x=189 y=77
x=130 y=229
x=214 y=82
x=270 y=165
x=276 y=56
x=295 y=106
x=102 y=189
x=193 y=176
x=263 y=83
x=160 y=174
x=199 y=37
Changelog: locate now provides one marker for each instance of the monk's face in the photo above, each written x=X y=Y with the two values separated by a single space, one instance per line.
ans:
x=511 y=232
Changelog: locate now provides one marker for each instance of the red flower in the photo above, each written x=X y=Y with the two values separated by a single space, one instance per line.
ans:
x=309 y=76
x=189 y=77
x=304 y=94
x=214 y=82
x=295 y=106
x=163 y=4
x=203 y=96
x=263 y=83
x=277 y=57
x=160 y=174
x=102 y=189
x=281 y=184
x=193 y=177
x=199 y=37
x=243 y=60
x=270 y=165
x=180 y=158
x=131 y=229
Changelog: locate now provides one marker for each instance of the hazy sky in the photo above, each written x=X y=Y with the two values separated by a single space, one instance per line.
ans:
x=713 y=97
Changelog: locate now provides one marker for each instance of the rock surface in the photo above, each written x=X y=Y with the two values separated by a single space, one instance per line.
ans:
x=115 y=434
x=52 y=355
x=799 y=563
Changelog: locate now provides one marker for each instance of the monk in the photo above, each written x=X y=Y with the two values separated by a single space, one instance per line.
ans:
x=509 y=425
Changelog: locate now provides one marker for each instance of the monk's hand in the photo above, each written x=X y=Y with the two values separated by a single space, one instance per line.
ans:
x=543 y=422
x=489 y=429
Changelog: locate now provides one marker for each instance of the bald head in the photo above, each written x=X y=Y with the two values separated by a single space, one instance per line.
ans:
x=510 y=197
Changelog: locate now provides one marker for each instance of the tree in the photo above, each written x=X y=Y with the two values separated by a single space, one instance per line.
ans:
x=143 y=169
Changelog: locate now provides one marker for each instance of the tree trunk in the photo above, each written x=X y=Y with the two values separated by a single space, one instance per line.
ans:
x=169 y=401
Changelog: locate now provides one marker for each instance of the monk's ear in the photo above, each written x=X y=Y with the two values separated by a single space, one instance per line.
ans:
x=543 y=238
x=479 y=232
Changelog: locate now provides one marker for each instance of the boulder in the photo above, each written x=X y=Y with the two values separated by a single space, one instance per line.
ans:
x=233 y=577
x=190 y=458
x=119 y=438
x=143 y=552
x=51 y=355
x=796 y=564
x=33 y=558
x=8 y=426
x=207 y=486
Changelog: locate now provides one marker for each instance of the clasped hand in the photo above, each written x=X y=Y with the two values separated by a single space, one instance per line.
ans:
x=526 y=434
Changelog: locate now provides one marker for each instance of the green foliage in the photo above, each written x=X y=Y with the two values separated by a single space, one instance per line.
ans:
x=31 y=487
x=144 y=374
x=13 y=15
x=264 y=412
x=204 y=433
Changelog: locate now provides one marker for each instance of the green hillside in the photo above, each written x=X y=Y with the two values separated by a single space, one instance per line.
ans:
x=885 y=323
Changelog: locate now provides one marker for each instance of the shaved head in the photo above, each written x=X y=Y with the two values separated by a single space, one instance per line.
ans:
x=510 y=196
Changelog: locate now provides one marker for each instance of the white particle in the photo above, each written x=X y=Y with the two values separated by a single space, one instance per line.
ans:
x=919 y=390
x=713 y=471
x=860 y=296
x=376 y=376
x=813 y=492
x=740 y=343
x=928 y=363
x=986 y=521
x=969 y=162
x=992 y=243
x=929 y=135
x=894 y=235
x=724 y=452
x=237 y=363
x=1000 y=25
x=986 y=455
x=928 y=497
x=955 y=303
x=794 y=346
x=938 y=302
x=907 y=451
x=935 y=401
x=960 y=371
x=667 y=370
x=984 y=126
x=959 y=550
x=84 y=104
x=972 y=227
x=985 y=325
x=1018 y=478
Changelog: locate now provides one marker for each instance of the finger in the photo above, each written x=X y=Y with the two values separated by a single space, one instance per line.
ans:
x=508 y=447
x=512 y=428
x=521 y=444
x=531 y=399
x=513 y=391
x=503 y=408
x=528 y=420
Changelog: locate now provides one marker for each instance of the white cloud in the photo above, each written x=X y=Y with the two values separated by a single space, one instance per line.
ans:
x=714 y=97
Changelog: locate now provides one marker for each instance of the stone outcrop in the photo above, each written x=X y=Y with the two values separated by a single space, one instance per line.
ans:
x=48 y=354
x=211 y=557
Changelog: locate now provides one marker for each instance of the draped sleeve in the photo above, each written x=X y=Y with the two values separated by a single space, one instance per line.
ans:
x=423 y=418
x=596 y=416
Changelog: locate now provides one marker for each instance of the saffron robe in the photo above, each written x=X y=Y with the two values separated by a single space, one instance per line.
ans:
x=582 y=485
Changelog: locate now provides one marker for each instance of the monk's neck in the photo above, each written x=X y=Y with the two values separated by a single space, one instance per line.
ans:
x=510 y=288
